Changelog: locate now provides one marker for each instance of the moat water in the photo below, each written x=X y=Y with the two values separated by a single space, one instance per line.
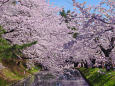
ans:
x=68 y=77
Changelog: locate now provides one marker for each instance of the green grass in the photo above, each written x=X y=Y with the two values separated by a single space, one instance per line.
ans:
x=13 y=72
x=3 y=82
x=34 y=70
x=98 y=79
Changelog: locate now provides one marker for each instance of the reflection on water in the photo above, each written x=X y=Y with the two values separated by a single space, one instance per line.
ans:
x=68 y=77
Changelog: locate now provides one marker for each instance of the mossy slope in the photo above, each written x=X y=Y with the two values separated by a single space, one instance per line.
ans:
x=99 y=77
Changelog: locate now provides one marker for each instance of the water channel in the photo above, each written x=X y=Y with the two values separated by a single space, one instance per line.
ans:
x=68 y=77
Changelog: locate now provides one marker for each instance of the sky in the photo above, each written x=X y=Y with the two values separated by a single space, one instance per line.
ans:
x=67 y=4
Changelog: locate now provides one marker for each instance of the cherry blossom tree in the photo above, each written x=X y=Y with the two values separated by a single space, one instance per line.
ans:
x=96 y=26
x=93 y=30
x=35 y=20
x=82 y=34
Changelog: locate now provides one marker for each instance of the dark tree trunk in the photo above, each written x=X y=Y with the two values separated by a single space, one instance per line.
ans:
x=86 y=64
x=111 y=46
x=92 y=61
x=107 y=53
x=76 y=64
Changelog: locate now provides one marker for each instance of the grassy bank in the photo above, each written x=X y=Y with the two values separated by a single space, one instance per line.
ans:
x=13 y=72
x=99 y=77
